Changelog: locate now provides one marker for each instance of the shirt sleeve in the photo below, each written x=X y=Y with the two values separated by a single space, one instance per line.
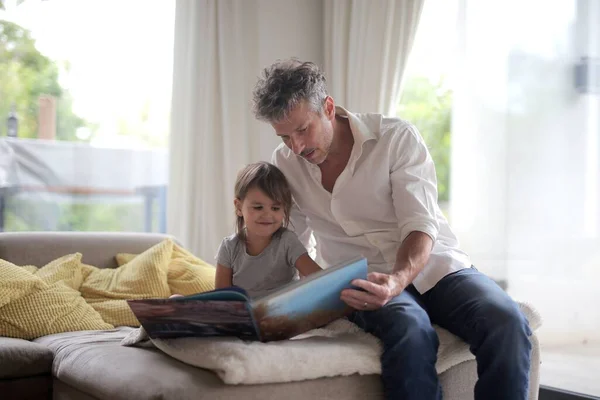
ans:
x=294 y=248
x=414 y=184
x=223 y=256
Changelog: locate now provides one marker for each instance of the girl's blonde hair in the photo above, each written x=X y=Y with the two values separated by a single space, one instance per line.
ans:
x=271 y=181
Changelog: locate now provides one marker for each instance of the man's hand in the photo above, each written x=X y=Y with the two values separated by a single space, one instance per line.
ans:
x=378 y=289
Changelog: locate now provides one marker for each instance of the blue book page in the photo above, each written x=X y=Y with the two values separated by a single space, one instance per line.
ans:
x=307 y=304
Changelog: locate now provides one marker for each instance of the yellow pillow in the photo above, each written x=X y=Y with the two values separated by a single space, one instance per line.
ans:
x=44 y=303
x=187 y=274
x=66 y=269
x=115 y=312
x=143 y=277
x=124 y=258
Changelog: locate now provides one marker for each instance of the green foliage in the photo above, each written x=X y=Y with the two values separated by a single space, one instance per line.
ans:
x=428 y=106
x=49 y=213
x=25 y=75
x=2 y=3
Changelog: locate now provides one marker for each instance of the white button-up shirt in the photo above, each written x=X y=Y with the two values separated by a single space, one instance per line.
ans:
x=387 y=190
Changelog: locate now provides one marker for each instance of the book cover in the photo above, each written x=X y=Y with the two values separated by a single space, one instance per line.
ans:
x=294 y=309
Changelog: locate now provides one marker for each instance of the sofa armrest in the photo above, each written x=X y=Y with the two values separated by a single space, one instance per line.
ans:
x=21 y=358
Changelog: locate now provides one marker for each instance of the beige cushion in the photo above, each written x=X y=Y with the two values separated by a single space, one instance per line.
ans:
x=96 y=363
x=21 y=358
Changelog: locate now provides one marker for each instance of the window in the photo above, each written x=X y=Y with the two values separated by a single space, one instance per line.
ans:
x=84 y=114
x=518 y=163
x=426 y=99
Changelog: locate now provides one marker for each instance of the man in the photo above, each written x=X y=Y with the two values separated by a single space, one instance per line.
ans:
x=366 y=184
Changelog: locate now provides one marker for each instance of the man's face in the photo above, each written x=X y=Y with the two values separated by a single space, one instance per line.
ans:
x=308 y=133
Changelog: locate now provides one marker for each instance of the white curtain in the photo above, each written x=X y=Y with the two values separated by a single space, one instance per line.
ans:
x=367 y=44
x=211 y=120
x=220 y=48
x=525 y=157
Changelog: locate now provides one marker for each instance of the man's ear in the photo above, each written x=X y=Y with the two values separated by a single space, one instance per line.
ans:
x=329 y=108
x=238 y=207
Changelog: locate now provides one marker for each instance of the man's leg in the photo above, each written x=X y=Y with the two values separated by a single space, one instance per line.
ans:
x=410 y=347
x=475 y=308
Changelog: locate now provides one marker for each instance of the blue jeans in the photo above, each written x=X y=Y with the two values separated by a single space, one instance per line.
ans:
x=471 y=306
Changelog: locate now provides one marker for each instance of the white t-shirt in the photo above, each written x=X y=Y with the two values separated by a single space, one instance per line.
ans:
x=387 y=190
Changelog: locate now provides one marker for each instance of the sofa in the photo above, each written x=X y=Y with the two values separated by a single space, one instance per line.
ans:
x=94 y=365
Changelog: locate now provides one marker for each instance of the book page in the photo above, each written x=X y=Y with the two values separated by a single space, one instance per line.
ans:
x=307 y=304
x=180 y=317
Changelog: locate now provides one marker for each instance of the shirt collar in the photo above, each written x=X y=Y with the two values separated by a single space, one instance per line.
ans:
x=361 y=125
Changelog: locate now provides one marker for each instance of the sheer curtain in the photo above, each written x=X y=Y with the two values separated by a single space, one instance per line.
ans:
x=220 y=48
x=367 y=44
x=211 y=120
x=525 y=165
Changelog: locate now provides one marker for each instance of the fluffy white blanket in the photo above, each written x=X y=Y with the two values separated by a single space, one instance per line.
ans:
x=340 y=348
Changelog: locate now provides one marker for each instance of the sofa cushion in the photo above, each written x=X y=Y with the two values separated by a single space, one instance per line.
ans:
x=96 y=363
x=187 y=275
x=22 y=358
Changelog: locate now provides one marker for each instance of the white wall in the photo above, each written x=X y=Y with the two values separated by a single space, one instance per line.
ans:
x=524 y=181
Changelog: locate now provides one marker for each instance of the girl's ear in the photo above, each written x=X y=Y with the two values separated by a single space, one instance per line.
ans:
x=238 y=207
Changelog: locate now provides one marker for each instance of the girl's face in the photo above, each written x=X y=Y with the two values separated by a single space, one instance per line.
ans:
x=262 y=216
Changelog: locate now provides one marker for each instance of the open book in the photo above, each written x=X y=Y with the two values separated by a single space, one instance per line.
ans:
x=294 y=309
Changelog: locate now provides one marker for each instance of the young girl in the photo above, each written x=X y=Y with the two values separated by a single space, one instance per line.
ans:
x=262 y=255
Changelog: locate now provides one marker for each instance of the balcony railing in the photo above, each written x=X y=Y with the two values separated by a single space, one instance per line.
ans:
x=40 y=172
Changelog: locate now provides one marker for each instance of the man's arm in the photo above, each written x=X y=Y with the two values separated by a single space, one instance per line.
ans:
x=411 y=258
x=414 y=194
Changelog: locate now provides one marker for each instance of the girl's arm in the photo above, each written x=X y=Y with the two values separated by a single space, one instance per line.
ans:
x=223 y=277
x=306 y=266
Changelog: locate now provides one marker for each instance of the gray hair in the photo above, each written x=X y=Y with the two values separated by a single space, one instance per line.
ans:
x=286 y=84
